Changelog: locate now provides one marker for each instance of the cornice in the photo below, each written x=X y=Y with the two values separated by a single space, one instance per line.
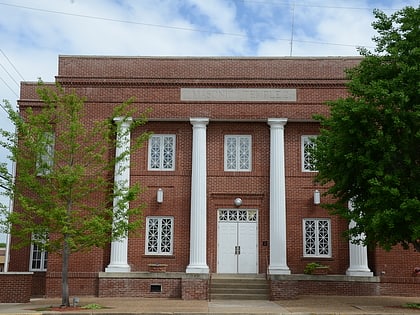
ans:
x=199 y=82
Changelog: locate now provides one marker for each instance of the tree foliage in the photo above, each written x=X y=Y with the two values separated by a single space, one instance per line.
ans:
x=369 y=147
x=63 y=190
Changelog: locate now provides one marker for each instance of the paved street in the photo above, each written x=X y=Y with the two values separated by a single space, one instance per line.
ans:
x=302 y=305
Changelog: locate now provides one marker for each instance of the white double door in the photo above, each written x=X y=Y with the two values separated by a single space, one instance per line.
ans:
x=237 y=244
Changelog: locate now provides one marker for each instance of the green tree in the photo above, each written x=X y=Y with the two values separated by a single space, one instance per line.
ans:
x=368 y=150
x=64 y=162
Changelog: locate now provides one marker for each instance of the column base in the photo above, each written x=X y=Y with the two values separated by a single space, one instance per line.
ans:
x=118 y=268
x=279 y=270
x=359 y=273
x=197 y=269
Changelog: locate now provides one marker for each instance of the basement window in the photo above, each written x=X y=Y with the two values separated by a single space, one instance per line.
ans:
x=155 y=288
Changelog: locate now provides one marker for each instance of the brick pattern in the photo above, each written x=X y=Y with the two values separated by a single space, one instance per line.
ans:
x=15 y=287
x=195 y=289
x=113 y=287
x=38 y=284
x=398 y=262
x=281 y=289
x=155 y=83
x=292 y=289
x=80 y=283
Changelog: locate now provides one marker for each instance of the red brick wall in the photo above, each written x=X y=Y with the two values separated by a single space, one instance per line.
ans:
x=176 y=186
x=195 y=289
x=155 y=83
x=15 y=287
x=38 y=284
x=80 y=283
x=403 y=286
x=397 y=262
x=292 y=289
x=117 y=287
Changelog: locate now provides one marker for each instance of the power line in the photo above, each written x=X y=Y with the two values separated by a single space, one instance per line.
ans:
x=173 y=27
x=13 y=91
x=13 y=66
x=10 y=76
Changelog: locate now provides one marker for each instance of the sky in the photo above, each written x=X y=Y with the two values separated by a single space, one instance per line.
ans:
x=33 y=33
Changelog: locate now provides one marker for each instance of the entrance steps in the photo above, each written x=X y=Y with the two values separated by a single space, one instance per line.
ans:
x=239 y=287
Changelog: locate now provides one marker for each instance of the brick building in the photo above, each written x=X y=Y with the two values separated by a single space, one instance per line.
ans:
x=229 y=182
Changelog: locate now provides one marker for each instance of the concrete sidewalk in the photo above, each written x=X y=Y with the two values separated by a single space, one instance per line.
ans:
x=302 y=305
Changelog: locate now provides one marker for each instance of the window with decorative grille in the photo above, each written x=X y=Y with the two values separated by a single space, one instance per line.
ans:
x=308 y=144
x=238 y=153
x=317 y=238
x=162 y=153
x=159 y=235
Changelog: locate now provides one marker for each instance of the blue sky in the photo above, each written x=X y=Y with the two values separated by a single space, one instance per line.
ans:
x=33 y=33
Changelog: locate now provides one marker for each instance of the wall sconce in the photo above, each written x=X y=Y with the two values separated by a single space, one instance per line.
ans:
x=317 y=197
x=159 y=195
x=237 y=202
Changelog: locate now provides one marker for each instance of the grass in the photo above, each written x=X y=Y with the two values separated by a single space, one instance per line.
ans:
x=93 y=306
x=412 y=305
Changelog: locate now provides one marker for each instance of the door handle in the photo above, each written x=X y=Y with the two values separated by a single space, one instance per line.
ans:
x=237 y=250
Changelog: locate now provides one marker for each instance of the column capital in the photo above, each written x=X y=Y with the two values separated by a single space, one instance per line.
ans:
x=127 y=119
x=124 y=122
x=199 y=122
x=277 y=122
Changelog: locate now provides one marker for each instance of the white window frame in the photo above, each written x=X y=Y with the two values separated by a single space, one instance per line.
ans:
x=159 y=235
x=307 y=166
x=161 y=152
x=318 y=238
x=237 y=154
x=45 y=160
x=39 y=255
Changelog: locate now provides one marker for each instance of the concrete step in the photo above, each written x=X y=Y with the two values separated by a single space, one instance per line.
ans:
x=238 y=287
x=247 y=297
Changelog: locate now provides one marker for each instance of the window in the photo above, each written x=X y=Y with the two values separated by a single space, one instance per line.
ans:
x=162 y=153
x=159 y=235
x=38 y=259
x=316 y=238
x=238 y=153
x=45 y=159
x=307 y=160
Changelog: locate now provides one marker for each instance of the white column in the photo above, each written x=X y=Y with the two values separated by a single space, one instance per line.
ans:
x=198 y=225
x=278 y=248
x=358 y=256
x=119 y=248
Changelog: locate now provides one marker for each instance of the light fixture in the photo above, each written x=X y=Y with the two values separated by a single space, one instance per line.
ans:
x=159 y=195
x=317 y=197
x=238 y=202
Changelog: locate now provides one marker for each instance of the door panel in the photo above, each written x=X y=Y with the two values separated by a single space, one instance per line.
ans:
x=247 y=240
x=227 y=260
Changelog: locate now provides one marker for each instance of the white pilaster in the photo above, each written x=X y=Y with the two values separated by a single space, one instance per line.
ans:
x=278 y=248
x=119 y=248
x=358 y=256
x=198 y=225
